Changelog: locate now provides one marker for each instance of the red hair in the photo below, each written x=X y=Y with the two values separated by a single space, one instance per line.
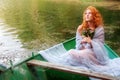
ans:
x=97 y=18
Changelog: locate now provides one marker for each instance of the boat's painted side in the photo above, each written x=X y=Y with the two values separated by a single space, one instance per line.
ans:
x=21 y=71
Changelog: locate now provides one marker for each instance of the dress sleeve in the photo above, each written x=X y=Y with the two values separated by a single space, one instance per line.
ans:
x=78 y=41
x=98 y=46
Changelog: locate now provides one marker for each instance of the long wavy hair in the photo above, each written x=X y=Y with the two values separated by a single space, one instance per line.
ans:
x=97 y=18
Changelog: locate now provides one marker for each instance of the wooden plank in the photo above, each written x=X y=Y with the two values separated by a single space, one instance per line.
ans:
x=70 y=69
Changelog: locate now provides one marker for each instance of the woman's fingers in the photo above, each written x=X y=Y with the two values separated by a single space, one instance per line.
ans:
x=86 y=39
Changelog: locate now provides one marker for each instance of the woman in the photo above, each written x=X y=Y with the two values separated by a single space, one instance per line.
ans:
x=90 y=52
x=90 y=46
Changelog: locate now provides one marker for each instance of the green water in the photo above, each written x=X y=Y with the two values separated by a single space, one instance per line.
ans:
x=44 y=23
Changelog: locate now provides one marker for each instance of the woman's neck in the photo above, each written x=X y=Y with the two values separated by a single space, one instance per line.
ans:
x=91 y=25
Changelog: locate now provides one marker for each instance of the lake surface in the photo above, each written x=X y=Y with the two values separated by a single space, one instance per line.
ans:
x=34 y=25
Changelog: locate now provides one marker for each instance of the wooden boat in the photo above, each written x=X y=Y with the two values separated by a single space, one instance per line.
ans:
x=36 y=68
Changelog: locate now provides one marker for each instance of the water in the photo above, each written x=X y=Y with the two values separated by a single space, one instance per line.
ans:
x=33 y=25
x=10 y=45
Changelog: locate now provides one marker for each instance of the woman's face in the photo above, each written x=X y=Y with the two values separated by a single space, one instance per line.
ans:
x=88 y=15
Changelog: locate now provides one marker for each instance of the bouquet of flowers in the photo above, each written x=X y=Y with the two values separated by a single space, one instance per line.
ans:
x=88 y=33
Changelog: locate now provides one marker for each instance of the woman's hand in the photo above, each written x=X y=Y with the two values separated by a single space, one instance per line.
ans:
x=86 y=39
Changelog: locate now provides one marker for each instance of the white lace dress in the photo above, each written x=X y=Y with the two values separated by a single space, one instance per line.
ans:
x=93 y=58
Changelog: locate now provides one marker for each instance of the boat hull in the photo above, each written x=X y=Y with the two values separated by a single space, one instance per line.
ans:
x=22 y=71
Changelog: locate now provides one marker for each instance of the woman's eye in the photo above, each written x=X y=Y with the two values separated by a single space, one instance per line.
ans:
x=90 y=13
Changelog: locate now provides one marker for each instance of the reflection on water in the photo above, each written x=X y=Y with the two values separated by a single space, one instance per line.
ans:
x=10 y=45
x=43 y=23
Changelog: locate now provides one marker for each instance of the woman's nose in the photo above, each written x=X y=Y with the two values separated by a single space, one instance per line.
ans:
x=87 y=15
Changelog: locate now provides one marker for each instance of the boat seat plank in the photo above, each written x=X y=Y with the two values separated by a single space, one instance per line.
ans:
x=70 y=69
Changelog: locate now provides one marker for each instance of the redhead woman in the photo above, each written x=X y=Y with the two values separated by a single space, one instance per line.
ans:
x=90 y=46
x=90 y=52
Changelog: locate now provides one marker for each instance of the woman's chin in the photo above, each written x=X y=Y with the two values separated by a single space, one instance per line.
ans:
x=88 y=20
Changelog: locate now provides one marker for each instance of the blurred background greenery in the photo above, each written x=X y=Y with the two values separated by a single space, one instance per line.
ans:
x=44 y=23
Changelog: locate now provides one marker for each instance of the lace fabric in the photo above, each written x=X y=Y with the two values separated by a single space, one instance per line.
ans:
x=95 y=58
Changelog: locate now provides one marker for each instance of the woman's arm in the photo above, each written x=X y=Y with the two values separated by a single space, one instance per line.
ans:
x=82 y=41
x=78 y=38
x=98 y=45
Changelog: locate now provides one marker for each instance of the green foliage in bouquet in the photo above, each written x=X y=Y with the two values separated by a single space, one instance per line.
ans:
x=88 y=33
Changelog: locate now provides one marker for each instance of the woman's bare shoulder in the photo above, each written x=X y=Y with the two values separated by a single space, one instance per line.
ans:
x=79 y=28
x=100 y=27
